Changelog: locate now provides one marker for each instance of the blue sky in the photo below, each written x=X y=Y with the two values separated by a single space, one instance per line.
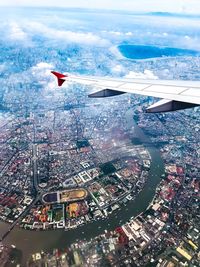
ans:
x=186 y=6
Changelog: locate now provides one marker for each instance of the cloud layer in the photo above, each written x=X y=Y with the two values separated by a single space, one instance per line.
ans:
x=147 y=74
x=188 y=6
x=25 y=33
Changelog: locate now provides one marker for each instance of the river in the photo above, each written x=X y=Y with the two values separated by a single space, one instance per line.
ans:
x=33 y=241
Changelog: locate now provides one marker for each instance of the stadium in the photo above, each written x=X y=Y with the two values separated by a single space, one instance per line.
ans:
x=65 y=196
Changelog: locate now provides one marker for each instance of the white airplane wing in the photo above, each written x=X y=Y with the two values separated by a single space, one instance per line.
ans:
x=175 y=94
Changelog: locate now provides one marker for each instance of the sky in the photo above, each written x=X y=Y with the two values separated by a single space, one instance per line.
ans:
x=178 y=6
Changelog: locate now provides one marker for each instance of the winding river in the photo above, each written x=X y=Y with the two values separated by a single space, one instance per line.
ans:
x=33 y=241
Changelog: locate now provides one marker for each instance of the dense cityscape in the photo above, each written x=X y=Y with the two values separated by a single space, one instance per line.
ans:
x=98 y=156
x=126 y=181
x=167 y=233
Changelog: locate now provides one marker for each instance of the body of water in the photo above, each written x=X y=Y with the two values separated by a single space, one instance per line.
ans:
x=147 y=51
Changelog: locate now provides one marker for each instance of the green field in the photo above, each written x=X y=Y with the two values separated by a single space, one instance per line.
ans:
x=107 y=168
x=82 y=143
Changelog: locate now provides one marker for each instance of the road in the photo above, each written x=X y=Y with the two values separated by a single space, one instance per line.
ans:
x=35 y=170
x=35 y=187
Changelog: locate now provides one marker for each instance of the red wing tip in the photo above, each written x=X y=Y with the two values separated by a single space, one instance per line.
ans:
x=58 y=74
x=60 y=77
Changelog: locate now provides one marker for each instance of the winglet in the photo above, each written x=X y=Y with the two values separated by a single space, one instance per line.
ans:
x=59 y=77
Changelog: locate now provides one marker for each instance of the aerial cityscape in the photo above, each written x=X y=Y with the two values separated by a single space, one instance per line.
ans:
x=96 y=182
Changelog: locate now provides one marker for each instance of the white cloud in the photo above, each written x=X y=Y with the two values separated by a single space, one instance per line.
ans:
x=165 y=34
x=2 y=67
x=117 y=69
x=83 y=38
x=115 y=51
x=147 y=74
x=128 y=33
x=42 y=73
x=188 y=42
x=42 y=67
x=187 y=37
x=16 y=33
x=116 y=33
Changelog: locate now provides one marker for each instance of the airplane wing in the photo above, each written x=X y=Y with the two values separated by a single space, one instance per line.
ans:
x=175 y=94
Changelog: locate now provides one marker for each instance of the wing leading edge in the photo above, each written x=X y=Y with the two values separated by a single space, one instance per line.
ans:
x=176 y=94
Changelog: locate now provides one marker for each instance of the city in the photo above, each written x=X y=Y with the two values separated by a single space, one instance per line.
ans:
x=167 y=233
x=96 y=182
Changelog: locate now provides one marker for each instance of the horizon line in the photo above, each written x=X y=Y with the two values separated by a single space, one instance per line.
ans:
x=104 y=9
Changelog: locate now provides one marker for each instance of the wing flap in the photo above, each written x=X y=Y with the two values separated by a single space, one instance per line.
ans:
x=105 y=93
x=168 y=105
